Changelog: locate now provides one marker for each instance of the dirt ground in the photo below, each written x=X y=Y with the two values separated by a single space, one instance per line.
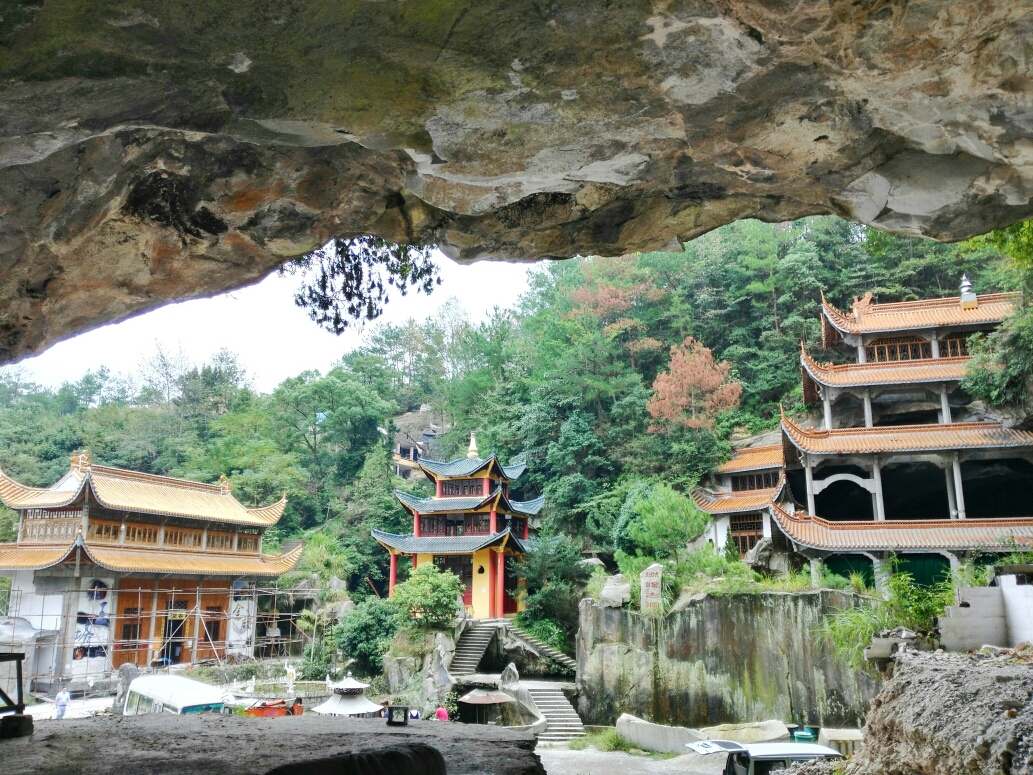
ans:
x=589 y=761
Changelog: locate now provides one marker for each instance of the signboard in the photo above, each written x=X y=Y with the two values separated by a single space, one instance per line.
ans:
x=651 y=579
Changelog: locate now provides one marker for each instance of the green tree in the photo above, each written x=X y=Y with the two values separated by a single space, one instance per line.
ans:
x=666 y=522
x=554 y=577
x=365 y=634
x=429 y=596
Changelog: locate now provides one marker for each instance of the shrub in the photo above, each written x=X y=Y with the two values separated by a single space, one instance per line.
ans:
x=667 y=520
x=428 y=596
x=547 y=631
x=365 y=634
x=554 y=577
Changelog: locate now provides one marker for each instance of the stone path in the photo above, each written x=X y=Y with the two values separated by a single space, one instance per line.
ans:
x=562 y=761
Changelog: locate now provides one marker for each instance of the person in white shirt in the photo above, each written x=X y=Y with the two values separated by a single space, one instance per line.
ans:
x=62 y=699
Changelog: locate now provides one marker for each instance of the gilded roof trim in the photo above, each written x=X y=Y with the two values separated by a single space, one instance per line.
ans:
x=753 y=459
x=920 y=314
x=902 y=535
x=737 y=502
x=892 y=373
x=904 y=438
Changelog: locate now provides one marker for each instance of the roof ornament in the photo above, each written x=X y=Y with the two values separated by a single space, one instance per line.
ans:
x=472 y=452
x=81 y=461
x=968 y=298
x=225 y=485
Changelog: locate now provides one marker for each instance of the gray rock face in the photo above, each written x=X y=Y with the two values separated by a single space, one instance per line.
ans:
x=616 y=592
x=166 y=152
x=727 y=659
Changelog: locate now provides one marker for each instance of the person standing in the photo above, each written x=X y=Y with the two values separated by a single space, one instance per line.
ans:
x=61 y=700
x=441 y=714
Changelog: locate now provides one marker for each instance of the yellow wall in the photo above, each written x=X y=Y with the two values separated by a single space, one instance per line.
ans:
x=422 y=558
x=481 y=589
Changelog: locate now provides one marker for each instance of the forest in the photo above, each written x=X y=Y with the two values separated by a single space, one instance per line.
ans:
x=596 y=377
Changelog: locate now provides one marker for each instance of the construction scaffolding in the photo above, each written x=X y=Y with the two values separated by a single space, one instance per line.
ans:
x=150 y=623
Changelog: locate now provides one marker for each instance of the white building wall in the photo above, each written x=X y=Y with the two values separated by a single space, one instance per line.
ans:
x=1018 y=610
x=43 y=607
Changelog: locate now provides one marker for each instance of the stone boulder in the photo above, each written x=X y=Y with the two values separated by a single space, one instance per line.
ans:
x=509 y=676
x=125 y=675
x=616 y=592
x=764 y=558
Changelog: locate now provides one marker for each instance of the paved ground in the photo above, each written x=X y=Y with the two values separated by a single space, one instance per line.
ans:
x=42 y=710
x=562 y=761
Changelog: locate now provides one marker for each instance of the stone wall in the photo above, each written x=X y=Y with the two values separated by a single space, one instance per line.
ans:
x=720 y=659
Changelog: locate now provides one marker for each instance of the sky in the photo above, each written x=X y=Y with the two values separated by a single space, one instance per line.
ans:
x=273 y=338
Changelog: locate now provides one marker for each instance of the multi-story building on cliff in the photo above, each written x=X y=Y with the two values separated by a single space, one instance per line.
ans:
x=903 y=463
x=470 y=527
x=112 y=567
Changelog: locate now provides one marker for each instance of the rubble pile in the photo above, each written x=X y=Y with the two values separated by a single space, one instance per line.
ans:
x=951 y=713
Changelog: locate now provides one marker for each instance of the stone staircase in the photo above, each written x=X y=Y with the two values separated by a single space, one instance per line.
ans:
x=563 y=721
x=472 y=645
x=546 y=651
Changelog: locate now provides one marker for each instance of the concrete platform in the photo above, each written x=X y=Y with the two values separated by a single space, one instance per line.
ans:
x=191 y=745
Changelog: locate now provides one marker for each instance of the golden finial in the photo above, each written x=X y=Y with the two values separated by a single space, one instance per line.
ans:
x=472 y=452
x=225 y=484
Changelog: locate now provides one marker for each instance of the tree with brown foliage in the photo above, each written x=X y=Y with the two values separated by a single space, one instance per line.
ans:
x=694 y=389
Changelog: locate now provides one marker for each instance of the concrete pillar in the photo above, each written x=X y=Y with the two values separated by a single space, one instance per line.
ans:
x=236 y=539
x=198 y=626
x=861 y=357
x=959 y=492
x=392 y=578
x=882 y=572
x=953 y=560
x=161 y=534
x=935 y=342
x=809 y=471
x=868 y=420
x=815 y=572
x=827 y=407
x=951 y=502
x=880 y=505
x=945 y=407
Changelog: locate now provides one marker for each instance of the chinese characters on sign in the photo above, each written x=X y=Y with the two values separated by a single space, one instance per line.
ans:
x=652 y=588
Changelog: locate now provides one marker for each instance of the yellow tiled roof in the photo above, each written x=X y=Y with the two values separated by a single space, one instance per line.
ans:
x=903 y=535
x=904 y=438
x=896 y=373
x=123 y=490
x=137 y=560
x=868 y=318
x=753 y=458
x=736 y=502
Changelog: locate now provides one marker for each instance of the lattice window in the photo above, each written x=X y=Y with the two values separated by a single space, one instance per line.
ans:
x=476 y=524
x=220 y=541
x=141 y=534
x=747 y=530
x=182 y=538
x=954 y=346
x=103 y=531
x=898 y=348
x=213 y=623
x=247 y=543
x=46 y=530
x=758 y=481
x=460 y=487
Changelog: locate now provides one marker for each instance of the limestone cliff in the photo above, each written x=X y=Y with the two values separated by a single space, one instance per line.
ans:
x=728 y=658
x=152 y=151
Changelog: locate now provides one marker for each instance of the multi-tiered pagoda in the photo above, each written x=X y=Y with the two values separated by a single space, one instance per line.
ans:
x=470 y=527
x=904 y=462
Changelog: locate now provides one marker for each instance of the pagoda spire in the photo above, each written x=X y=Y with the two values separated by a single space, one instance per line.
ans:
x=472 y=451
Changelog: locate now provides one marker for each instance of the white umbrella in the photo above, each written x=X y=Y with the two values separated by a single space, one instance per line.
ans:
x=347 y=705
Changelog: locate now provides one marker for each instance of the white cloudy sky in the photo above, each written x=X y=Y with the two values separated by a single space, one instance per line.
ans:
x=273 y=338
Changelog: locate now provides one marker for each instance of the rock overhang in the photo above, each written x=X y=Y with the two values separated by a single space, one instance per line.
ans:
x=150 y=152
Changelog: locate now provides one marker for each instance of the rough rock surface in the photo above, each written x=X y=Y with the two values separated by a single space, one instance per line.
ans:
x=153 y=151
x=244 y=746
x=950 y=713
x=616 y=592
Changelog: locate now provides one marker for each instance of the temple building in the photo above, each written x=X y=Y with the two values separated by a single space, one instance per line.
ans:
x=903 y=462
x=470 y=527
x=112 y=567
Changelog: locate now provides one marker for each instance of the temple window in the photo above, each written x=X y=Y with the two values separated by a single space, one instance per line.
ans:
x=103 y=531
x=452 y=488
x=758 y=481
x=954 y=346
x=182 y=538
x=898 y=348
x=747 y=530
x=247 y=542
x=220 y=541
x=141 y=534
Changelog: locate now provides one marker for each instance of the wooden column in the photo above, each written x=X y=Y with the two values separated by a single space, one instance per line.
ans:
x=880 y=506
x=527 y=528
x=151 y=635
x=959 y=492
x=491 y=586
x=809 y=471
x=161 y=532
x=500 y=583
x=122 y=531
x=416 y=524
x=198 y=637
x=437 y=487
x=486 y=488
x=393 y=575
x=493 y=522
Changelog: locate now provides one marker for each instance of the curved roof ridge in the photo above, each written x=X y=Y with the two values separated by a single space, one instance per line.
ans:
x=16 y=495
x=271 y=512
x=110 y=472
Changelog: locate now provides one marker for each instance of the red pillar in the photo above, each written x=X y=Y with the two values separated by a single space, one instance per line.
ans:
x=500 y=584
x=493 y=522
x=487 y=486
x=527 y=528
x=415 y=561
x=393 y=576
x=438 y=484
x=416 y=524
x=491 y=586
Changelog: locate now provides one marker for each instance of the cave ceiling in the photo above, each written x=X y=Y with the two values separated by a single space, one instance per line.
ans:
x=155 y=151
